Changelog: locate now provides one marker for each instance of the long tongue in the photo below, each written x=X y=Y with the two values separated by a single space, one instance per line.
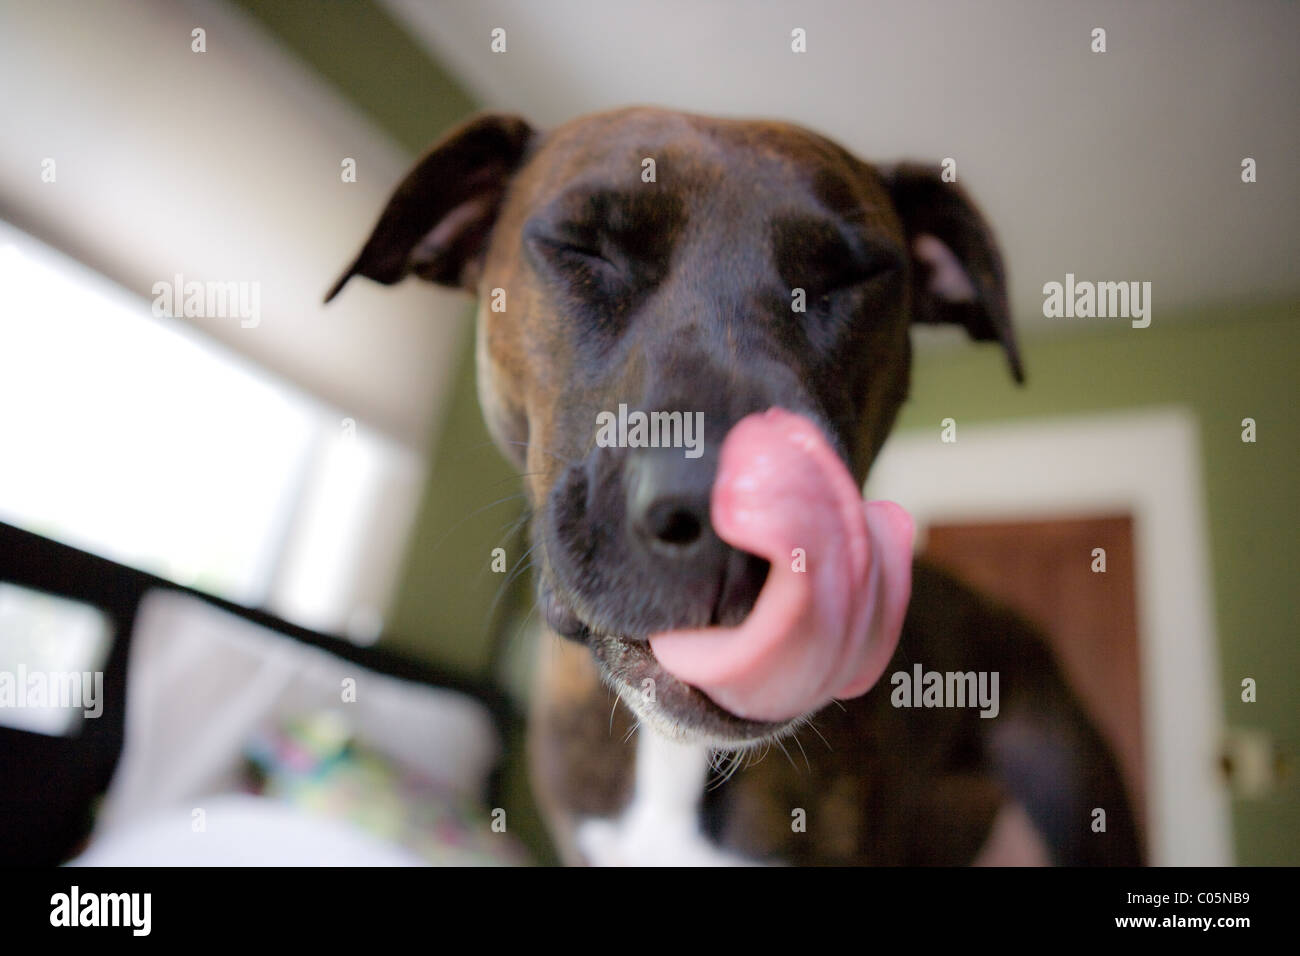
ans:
x=829 y=616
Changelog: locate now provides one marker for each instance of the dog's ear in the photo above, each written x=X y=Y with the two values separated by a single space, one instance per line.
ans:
x=957 y=273
x=437 y=222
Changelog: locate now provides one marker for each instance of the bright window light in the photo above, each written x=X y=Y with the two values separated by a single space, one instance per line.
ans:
x=140 y=439
x=52 y=652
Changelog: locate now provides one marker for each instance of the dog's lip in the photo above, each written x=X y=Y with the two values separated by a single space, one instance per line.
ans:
x=639 y=663
x=560 y=615
x=709 y=720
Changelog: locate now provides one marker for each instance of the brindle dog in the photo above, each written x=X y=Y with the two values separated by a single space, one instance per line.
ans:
x=673 y=291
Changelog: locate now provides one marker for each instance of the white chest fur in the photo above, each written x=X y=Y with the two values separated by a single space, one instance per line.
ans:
x=661 y=825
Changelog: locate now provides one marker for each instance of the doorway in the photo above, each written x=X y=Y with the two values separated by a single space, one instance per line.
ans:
x=1010 y=504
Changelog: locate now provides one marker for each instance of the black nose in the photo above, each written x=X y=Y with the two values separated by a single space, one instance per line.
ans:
x=668 y=497
x=668 y=502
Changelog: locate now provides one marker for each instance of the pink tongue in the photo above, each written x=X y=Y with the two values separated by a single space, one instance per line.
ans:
x=826 y=631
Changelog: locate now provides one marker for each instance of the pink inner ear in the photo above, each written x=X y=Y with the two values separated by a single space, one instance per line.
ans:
x=948 y=279
x=452 y=224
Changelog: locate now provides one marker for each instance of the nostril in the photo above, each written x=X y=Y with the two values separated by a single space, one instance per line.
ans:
x=674 y=524
x=668 y=500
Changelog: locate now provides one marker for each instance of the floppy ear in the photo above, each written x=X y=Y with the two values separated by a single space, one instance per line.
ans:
x=437 y=222
x=957 y=273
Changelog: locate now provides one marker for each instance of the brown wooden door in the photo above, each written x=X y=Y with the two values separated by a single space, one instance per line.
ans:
x=1043 y=569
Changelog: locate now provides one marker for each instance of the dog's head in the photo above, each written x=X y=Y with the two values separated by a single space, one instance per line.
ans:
x=699 y=268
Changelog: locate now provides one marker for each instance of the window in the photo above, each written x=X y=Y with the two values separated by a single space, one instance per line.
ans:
x=51 y=654
x=138 y=438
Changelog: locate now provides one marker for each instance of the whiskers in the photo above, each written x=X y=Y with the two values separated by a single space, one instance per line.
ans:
x=725 y=763
x=636 y=725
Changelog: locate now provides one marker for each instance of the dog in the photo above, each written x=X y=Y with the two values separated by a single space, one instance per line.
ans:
x=648 y=258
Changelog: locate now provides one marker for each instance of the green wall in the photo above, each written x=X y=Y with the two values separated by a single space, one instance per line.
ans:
x=450 y=605
x=1224 y=365
x=371 y=60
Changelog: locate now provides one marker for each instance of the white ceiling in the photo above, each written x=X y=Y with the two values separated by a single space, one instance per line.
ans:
x=1115 y=166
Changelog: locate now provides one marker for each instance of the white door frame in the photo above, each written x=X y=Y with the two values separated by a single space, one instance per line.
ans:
x=1145 y=463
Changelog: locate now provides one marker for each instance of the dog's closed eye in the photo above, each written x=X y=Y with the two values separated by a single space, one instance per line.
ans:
x=589 y=252
x=584 y=264
x=825 y=261
x=599 y=279
x=604 y=267
x=826 y=282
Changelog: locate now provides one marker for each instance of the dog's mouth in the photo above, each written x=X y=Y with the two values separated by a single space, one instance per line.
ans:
x=673 y=707
x=657 y=698
x=756 y=654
